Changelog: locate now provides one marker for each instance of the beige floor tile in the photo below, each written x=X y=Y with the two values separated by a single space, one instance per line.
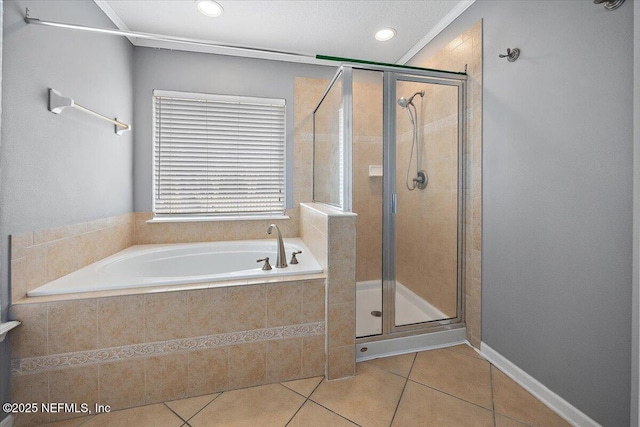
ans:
x=73 y=422
x=514 y=401
x=400 y=365
x=305 y=386
x=369 y=399
x=264 y=406
x=144 y=416
x=313 y=415
x=462 y=376
x=438 y=409
x=467 y=350
x=502 y=421
x=187 y=408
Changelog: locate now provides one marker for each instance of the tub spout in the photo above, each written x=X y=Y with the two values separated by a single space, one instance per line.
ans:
x=281 y=257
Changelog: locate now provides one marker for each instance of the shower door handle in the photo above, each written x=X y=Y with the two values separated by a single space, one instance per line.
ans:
x=394 y=203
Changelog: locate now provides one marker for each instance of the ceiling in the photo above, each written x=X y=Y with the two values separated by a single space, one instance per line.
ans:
x=343 y=28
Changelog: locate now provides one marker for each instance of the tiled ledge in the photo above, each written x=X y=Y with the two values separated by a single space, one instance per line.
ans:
x=327 y=210
x=169 y=288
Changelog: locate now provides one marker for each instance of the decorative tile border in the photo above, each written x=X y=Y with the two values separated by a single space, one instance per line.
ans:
x=33 y=365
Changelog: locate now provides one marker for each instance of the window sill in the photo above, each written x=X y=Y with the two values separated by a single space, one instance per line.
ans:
x=216 y=218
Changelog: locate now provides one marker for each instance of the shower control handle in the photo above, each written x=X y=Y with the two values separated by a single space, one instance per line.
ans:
x=266 y=266
x=294 y=260
x=422 y=180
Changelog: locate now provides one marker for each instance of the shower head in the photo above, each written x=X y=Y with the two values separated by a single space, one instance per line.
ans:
x=404 y=103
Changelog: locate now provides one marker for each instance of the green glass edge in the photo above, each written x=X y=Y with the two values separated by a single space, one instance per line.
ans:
x=362 y=61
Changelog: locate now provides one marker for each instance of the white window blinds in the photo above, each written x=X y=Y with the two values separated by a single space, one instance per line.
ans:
x=218 y=155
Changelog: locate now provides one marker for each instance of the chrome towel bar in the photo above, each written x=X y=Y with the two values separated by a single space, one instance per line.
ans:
x=58 y=102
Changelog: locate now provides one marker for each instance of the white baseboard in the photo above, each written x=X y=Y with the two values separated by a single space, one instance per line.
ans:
x=560 y=406
x=7 y=422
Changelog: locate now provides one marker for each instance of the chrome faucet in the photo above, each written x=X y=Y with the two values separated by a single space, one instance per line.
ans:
x=281 y=257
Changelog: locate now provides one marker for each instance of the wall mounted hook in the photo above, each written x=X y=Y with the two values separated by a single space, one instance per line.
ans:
x=610 y=4
x=512 y=54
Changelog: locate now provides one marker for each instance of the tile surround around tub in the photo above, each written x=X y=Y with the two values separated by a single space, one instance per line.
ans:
x=283 y=339
x=38 y=257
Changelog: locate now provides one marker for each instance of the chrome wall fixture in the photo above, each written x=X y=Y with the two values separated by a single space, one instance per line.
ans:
x=512 y=54
x=609 y=4
x=58 y=102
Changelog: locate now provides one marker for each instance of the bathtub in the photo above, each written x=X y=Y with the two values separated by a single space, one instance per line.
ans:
x=170 y=264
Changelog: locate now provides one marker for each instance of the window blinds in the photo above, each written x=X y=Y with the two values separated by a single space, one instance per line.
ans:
x=218 y=155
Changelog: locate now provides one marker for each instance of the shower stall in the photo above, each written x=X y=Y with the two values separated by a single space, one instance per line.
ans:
x=388 y=145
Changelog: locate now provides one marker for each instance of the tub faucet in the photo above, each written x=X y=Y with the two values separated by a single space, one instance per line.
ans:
x=281 y=257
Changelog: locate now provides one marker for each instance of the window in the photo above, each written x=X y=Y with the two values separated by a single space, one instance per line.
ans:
x=217 y=155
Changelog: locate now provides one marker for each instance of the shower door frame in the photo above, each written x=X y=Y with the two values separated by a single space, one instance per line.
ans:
x=389 y=205
x=390 y=77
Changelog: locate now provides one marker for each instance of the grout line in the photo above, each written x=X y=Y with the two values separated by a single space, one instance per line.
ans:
x=493 y=403
x=406 y=381
x=303 y=403
x=207 y=404
x=449 y=394
x=319 y=404
x=178 y=415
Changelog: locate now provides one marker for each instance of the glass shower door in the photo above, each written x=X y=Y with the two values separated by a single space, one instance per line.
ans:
x=427 y=201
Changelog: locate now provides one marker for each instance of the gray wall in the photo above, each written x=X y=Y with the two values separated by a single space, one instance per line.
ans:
x=5 y=352
x=67 y=168
x=635 y=344
x=198 y=72
x=557 y=195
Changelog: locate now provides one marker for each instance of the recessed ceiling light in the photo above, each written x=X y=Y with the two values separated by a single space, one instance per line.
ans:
x=385 y=34
x=209 y=8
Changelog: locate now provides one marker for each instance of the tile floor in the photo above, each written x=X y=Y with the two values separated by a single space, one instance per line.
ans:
x=445 y=387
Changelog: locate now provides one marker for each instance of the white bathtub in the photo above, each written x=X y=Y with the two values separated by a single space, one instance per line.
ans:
x=153 y=265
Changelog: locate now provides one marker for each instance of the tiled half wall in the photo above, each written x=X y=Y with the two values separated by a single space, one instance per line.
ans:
x=331 y=236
